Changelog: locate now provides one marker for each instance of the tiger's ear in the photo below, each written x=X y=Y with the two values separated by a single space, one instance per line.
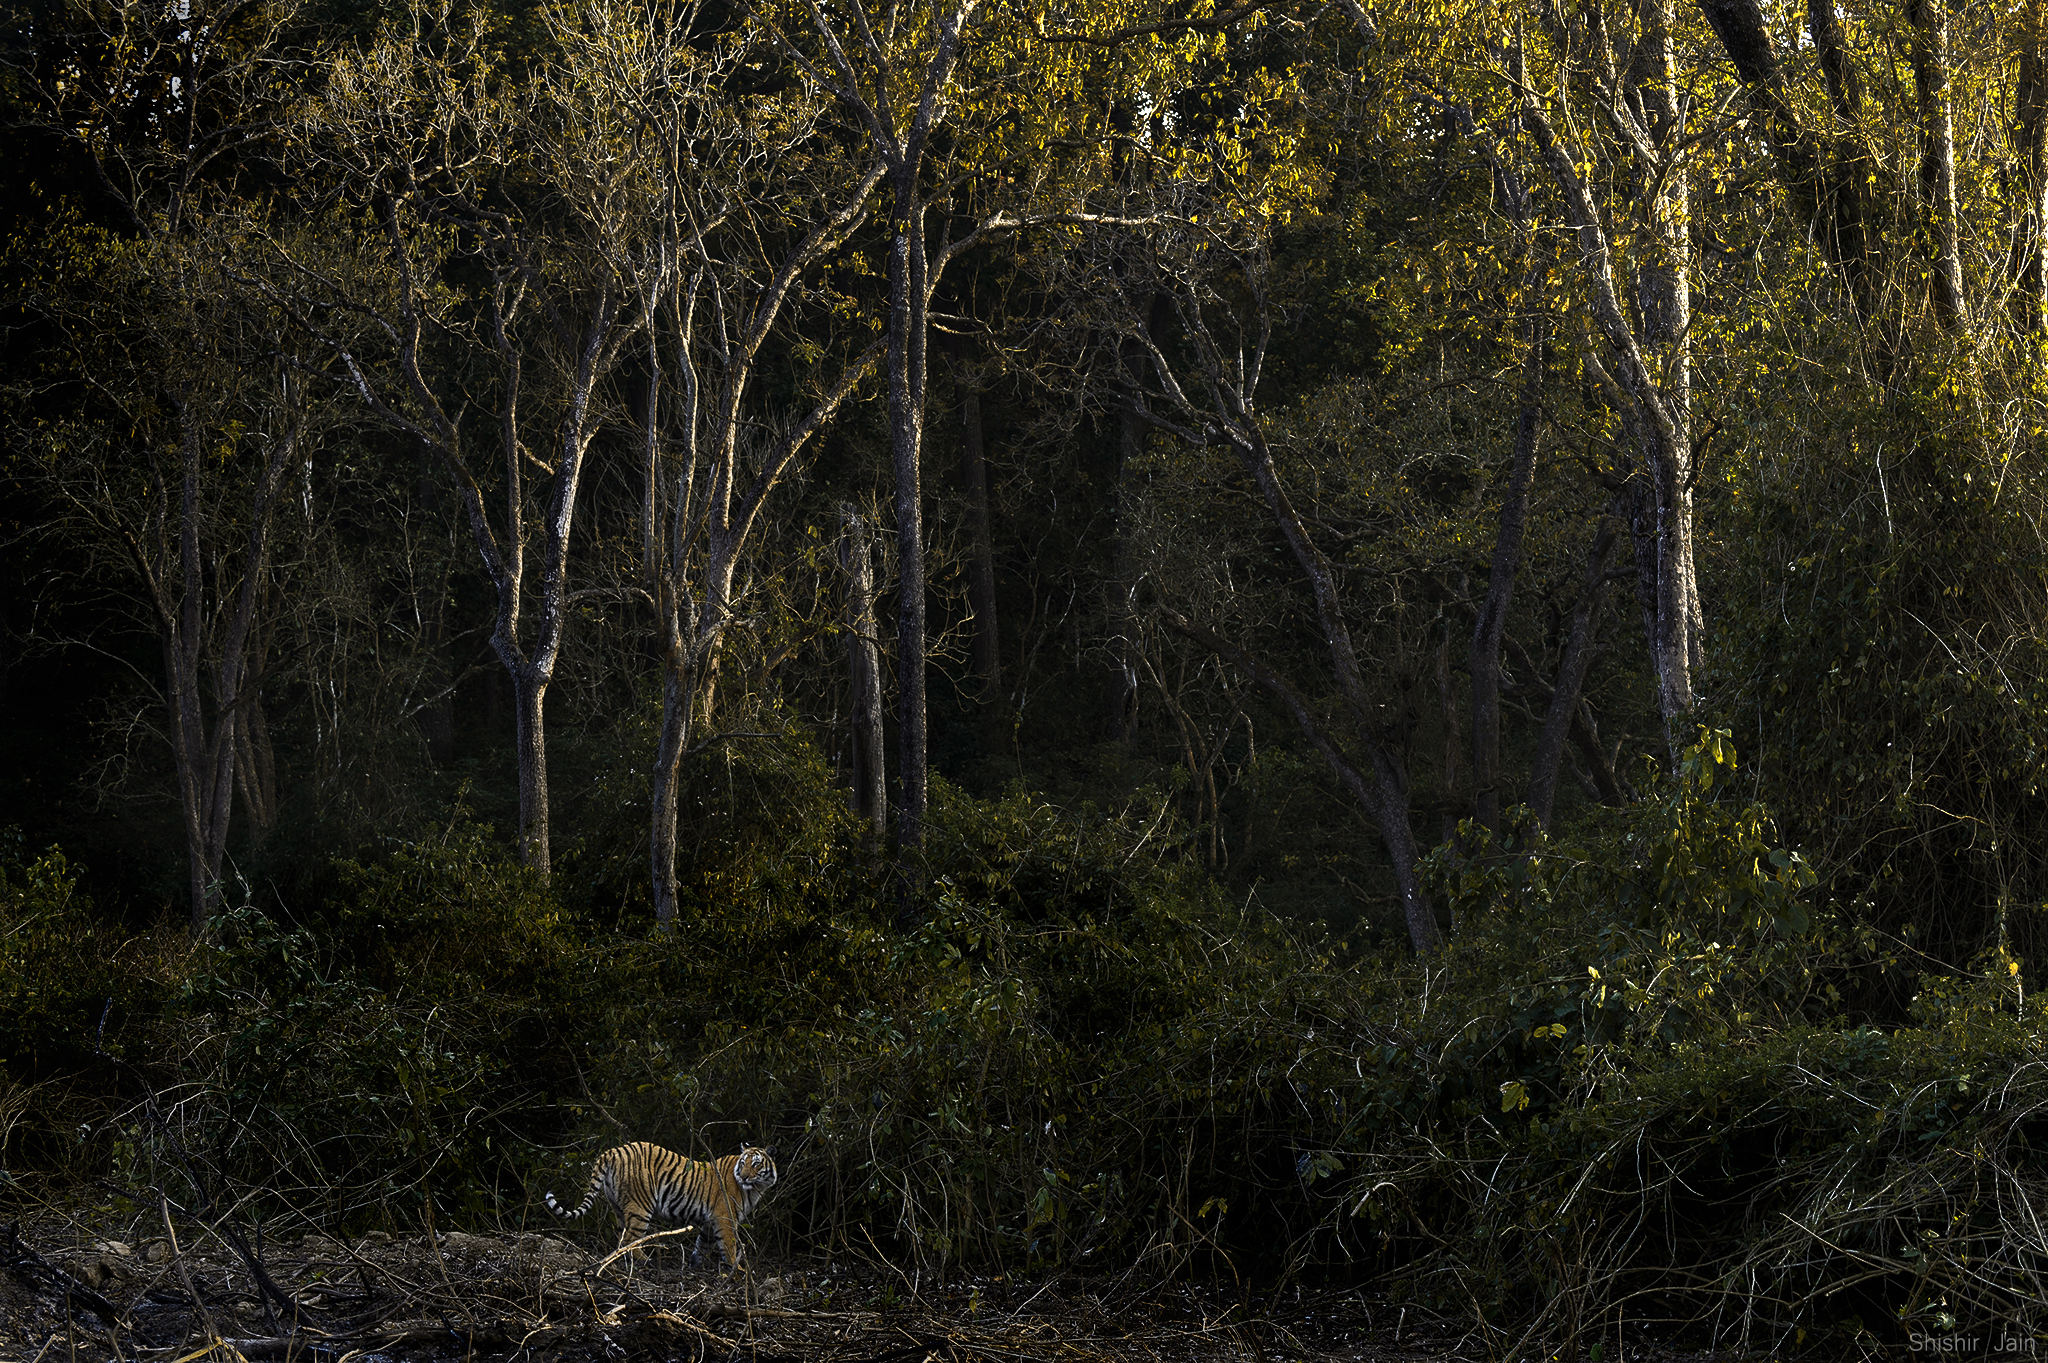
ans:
x=770 y=1151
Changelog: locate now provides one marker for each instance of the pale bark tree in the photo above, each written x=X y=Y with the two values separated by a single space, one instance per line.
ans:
x=896 y=75
x=713 y=505
x=199 y=401
x=868 y=776
x=1644 y=366
x=897 y=102
x=1826 y=151
x=2028 y=178
x=739 y=207
x=1826 y=161
x=171 y=482
x=461 y=175
x=633 y=215
x=1939 y=220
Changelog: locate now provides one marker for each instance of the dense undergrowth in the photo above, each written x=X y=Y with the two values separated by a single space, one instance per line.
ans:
x=1625 y=1092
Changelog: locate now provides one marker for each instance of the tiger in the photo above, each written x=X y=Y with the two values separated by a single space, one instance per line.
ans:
x=643 y=1181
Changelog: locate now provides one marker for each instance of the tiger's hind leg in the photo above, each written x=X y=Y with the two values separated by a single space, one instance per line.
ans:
x=637 y=1219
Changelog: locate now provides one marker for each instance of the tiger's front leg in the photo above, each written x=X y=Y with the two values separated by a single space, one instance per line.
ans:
x=721 y=1244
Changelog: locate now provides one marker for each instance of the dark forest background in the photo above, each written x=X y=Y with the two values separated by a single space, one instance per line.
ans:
x=1399 y=643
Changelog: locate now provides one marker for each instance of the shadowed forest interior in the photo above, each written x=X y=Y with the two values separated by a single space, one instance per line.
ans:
x=1397 y=645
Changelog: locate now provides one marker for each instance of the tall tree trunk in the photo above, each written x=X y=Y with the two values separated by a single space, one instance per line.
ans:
x=678 y=715
x=530 y=667
x=901 y=134
x=529 y=692
x=531 y=680
x=665 y=790
x=1484 y=660
x=694 y=625
x=1664 y=302
x=2030 y=150
x=1851 y=166
x=688 y=626
x=183 y=641
x=1824 y=172
x=1651 y=387
x=695 y=632
x=674 y=613
x=864 y=672
x=709 y=520
x=909 y=311
x=206 y=761
x=529 y=657
x=1928 y=20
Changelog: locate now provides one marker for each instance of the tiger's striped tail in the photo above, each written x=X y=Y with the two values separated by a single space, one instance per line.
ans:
x=589 y=1200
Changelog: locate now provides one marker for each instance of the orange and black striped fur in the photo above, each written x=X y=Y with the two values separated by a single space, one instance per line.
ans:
x=643 y=1181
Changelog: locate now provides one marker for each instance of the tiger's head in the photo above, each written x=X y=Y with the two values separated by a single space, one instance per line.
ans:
x=754 y=1169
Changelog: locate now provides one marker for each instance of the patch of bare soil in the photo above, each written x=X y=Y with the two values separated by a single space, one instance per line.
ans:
x=66 y=1298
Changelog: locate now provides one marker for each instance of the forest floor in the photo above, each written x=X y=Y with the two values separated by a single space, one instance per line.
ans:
x=66 y=1297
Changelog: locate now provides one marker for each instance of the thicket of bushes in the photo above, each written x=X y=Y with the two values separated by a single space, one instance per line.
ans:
x=1624 y=1093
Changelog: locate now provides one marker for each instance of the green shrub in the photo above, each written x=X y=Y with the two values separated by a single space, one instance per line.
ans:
x=405 y=1048
x=450 y=917
x=1885 y=651
x=1627 y=1087
x=69 y=980
x=1625 y=1090
x=75 y=994
x=947 y=1090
